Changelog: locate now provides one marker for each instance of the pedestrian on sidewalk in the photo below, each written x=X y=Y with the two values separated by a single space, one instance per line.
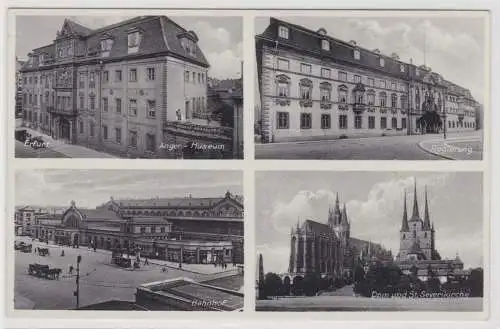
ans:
x=70 y=269
x=146 y=261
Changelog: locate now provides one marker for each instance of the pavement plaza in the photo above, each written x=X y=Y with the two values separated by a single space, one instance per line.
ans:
x=99 y=279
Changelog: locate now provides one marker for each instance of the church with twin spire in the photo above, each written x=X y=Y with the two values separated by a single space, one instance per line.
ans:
x=417 y=251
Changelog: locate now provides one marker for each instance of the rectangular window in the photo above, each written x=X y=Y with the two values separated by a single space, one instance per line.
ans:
x=118 y=75
x=132 y=107
x=133 y=39
x=305 y=92
x=143 y=230
x=357 y=55
x=305 y=68
x=403 y=123
x=105 y=104
x=283 y=32
x=118 y=135
x=358 y=122
x=382 y=84
x=151 y=109
x=81 y=81
x=370 y=82
x=151 y=73
x=325 y=73
x=283 y=120
x=342 y=121
x=371 y=122
x=283 y=89
x=325 y=121
x=118 y=104
x=92 y=80
x=132 y=140
x=194 y=77
x=92 y=102
x=91 y=124
x=383 y=123
x=325 y=94
x=305 y=120
x=283 y=64
x=199 y=78
x=186 y=76
x=81 y=127
x=357 y=79
x=105 y=76
x=393 y=85
x=394 y=123
x=105 y=132
x=132 y=76
x=151 y=142
x=342 y=76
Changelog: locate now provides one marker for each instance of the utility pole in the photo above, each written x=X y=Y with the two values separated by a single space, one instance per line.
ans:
x=77 y=292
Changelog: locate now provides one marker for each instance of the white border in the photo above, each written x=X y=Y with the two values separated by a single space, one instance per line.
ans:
x=251 y=318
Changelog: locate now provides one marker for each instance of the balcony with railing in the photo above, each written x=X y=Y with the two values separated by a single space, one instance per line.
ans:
x=358 y=107
x=62 y=111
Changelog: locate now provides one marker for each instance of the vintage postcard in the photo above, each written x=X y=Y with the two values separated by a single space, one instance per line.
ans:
x=370 y=241
x=129 y=87
x=399 y=85
x=128 y=240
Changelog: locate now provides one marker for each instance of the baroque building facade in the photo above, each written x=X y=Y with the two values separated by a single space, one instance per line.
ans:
x=118 y=87
x=328 y=249
x=417 y=251
x=194 y=230
x=313 y=86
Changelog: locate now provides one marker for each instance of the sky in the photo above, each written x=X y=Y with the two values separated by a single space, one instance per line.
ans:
x=90 y=188
x=455 y=44
x=220 y=38
x=374 y=202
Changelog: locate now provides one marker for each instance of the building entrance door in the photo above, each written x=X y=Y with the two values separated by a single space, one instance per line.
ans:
x=64 y=129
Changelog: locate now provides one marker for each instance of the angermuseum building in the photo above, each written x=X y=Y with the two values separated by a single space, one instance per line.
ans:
x=194 y=230
x=126 y=88
x=313 y=86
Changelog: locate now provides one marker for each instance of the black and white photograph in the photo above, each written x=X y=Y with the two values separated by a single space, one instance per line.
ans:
x=370 y=241
x=129 y=87
x=150 y=240
x=395 y=85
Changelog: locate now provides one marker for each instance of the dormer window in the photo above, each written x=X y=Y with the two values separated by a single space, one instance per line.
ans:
x=188 y=41
x=41 y=59
x=106 y=45
x=325 y=45
x=283 y=32
x=382 y=62
x=357 y=54
x=402 y=67
x=134 y=39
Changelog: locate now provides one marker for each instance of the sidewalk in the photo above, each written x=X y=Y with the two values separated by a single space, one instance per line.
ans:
x=455 y=148
x=203 y=269
x=70 y=150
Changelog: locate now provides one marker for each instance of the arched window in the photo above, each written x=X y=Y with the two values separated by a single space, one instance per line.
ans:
x=283 y=86
x=342 y=91
x=383 y=99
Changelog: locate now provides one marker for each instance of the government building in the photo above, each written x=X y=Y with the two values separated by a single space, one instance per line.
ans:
x=127 y=89
x=417 y=252
x=188 y=229
x=313 y=86
x=328 y=249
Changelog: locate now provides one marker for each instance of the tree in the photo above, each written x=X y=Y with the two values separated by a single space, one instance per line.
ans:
x=475 y=282
x=273 y=285
x=225 y=113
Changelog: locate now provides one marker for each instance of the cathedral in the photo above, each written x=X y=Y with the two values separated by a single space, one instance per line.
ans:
x=328 y=249
x=417 y=251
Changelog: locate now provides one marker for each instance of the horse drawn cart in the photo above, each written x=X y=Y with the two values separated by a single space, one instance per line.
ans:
x=43 y=251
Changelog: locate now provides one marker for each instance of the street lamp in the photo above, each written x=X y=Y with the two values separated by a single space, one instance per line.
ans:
x=77 y=292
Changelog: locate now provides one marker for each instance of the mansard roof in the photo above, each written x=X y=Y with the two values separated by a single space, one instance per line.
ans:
x=186 y=202
x=159 y=35
x=309 y=41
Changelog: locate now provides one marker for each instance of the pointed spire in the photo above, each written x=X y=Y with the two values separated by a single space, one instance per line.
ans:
x=415 y=202
x=344 y=215
x=404 y=225
x=427 y=221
